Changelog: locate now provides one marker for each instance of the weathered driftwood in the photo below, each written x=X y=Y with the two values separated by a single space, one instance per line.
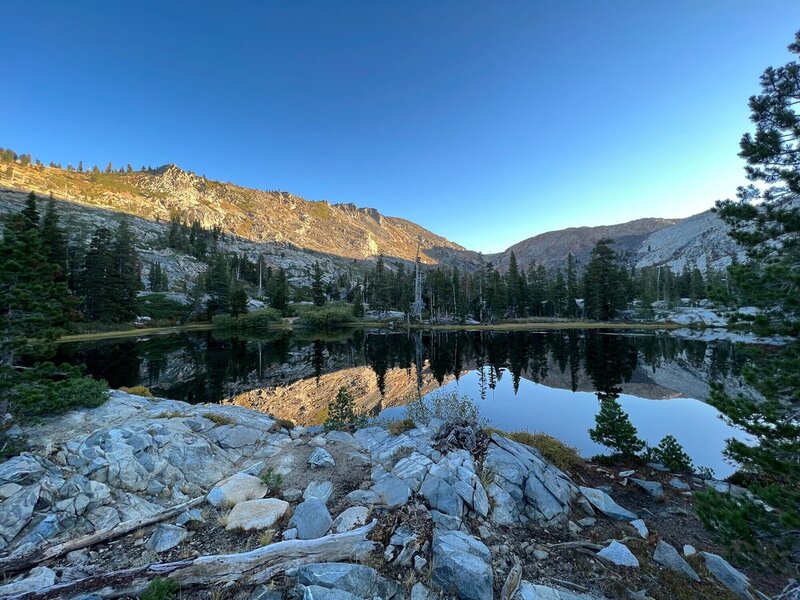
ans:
x=586 y=544
x=9 y=566
x=256 y=566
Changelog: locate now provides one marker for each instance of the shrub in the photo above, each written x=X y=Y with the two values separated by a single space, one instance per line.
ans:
x=670 y=454
x=554 y=450
x=447 y=406
x=284 y=424
x=342 y=413
x=160 y=589
x=399 y=426
x=272 y=480
x=262 y=318
x=137 y=390
x=321 y=317
x=161 y=308
x=614 y=429
x=225 y=321
x=48 y=389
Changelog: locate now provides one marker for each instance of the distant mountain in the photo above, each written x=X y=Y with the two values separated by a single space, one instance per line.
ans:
x=697 y=240
x=550 y=249
x=264 y=217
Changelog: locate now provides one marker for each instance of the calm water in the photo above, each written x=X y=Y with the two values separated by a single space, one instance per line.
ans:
x=548 y=381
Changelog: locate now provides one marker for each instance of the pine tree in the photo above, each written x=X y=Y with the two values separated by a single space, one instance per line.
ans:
x=80 y=166
x=317 y=291
x=614 y=429
x=54 y=239
x=30 y=214
x=218 y=285
x=572 y=287
x=238 y=299
x=157 y=279
x=280 y=292
x=109 y=168
x=604 y=283
x=97 y=281
x=128 y=271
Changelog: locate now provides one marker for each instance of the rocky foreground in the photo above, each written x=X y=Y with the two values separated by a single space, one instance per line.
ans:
x=231 y=504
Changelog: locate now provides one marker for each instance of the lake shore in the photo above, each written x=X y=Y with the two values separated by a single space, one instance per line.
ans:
x=507 y=326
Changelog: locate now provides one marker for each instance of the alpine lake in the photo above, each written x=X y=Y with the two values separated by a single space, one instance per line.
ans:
x=551 y=381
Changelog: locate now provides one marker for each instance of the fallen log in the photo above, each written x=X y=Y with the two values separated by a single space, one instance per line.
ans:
x=10 y=566
x=253 y=567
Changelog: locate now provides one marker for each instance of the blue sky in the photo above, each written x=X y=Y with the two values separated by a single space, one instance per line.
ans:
x=487 y=122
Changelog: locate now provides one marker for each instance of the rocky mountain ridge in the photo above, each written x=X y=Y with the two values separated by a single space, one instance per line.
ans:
x=294 y=232
x=275 y=218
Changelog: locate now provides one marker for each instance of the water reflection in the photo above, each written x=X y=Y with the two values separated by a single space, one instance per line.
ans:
x=537 y=380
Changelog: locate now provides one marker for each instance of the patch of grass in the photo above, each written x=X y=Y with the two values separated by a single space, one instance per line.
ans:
x=399 y=426
x=137 y=390
x=330 y=315
x=160 y=589
x=266 y=537
x=272 y=480
x=222 y=519
x=170 y=414
x=219 y=419
x=563 y=456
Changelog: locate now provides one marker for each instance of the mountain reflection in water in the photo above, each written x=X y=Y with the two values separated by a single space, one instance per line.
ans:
x=548 y=381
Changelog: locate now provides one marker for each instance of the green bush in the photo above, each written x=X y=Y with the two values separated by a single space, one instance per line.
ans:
x=161 y=308
x=447 y=406
x=263 y=318
x=272 y=480
x=670 y=454
x=48 y=389
x=614 y=429
x=331 y=315
x=160 y=589
x=342 y=413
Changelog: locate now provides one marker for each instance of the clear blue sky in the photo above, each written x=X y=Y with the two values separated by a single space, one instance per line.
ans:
x=487 y=122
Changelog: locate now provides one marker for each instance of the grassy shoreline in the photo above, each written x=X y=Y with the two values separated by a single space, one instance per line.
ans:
x=526 y=326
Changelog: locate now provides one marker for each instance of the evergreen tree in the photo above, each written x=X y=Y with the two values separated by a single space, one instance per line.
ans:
x=614 y=429
x=157 y=279
x=128 y=271
x=30 y=214
x=280 y=294
x=54 y=239
x=109 y=168
x=317 y=291
x=80 y=166
x=238 y=299
x=604 y=292
x=572 y=287
x=218 y=285
x=98 y=278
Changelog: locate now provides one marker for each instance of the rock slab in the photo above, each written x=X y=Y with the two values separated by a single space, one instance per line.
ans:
x=256 y=514
x=462 y=565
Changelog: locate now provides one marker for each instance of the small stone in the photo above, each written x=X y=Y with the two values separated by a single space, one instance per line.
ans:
x=679 y=484
x=658 y=467
x=667 y=556
x=574 y=528
x=319 y=489
x=321 y=458
x=165 y=537
x=236 y=488
x=190 y=518
x=256 y=514
x=619 y=554
x=292 y=494
x=317 y=441
x=689 y=550
x=624 y=474
x=353 y=517
x=587 y=521
x=419 y=563
x=604 y=503
x=653 y=488
x=727 y=575
x=640 y=527
x=540 y=554
x=311 y=518
x=420 y=592
x=290 y=534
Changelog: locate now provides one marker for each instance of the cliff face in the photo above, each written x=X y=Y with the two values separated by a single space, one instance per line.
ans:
x=262 y=217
